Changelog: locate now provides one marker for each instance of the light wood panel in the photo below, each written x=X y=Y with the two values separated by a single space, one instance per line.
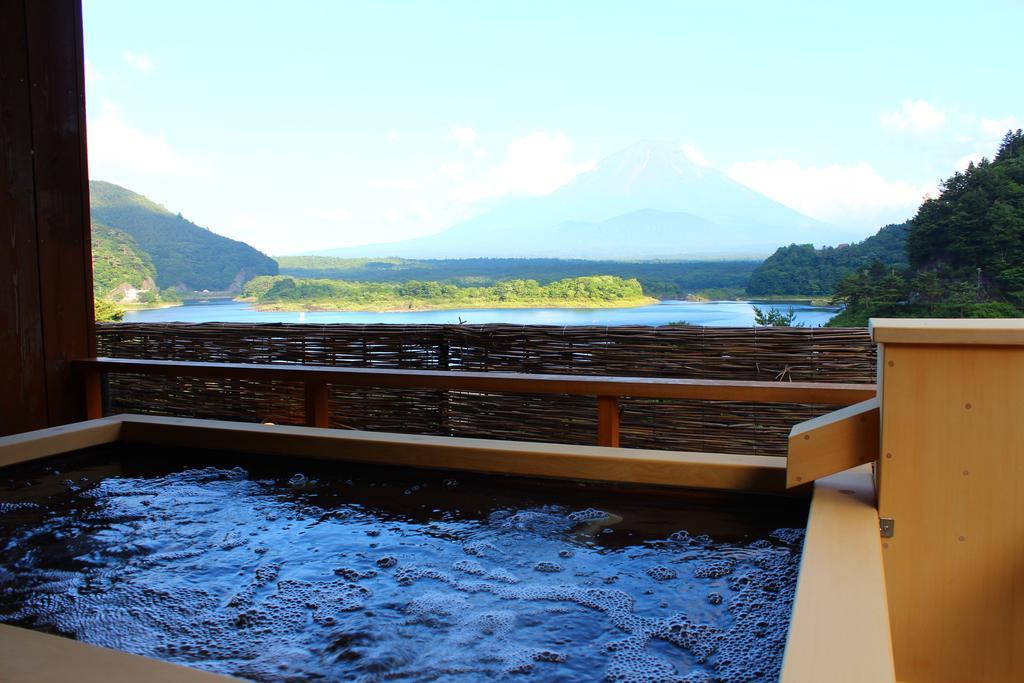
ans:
x=30 y=657
x=43 y=443
x=580 y=385
x=839 y=631
x=595 y=463
x=952 y=479
x=834 y=442
x=997 y=331
x=668 y=468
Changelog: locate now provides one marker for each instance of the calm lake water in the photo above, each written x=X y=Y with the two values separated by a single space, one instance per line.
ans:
x=712 y=314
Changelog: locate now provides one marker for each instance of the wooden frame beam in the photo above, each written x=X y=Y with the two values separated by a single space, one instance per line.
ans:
x=497 y=382
x=46 y=305
x=608 y=421
x=718 y=471
x=831 y=443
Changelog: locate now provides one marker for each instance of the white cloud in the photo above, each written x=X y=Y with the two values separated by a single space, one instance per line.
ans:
x=962 y=163
x=995 y=129
x=534 y=164
x=140 y=61
x=454 y=170
x=394 y=184
x=849 y=195
x=914 y=116
x=115 y=147
x=329 y=215
x=464 y=136
x=421 y=212
x=694 y=155
x=394 y=136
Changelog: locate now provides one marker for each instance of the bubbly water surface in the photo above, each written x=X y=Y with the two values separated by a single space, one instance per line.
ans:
x=290 y=570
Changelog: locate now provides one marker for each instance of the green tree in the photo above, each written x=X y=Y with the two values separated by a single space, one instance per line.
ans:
x=965 y=250
x=107 y=311
x=773 y=317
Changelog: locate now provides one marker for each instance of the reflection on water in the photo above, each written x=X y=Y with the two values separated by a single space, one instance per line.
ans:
x=280 y=570
x=712 y=313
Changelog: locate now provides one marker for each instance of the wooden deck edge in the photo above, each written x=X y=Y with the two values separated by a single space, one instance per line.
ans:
x=764 y=474
x=31 y=657
x=43 y=443
x=839 y=631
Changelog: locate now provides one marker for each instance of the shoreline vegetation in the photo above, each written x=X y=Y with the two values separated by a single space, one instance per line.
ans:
x=285 y=293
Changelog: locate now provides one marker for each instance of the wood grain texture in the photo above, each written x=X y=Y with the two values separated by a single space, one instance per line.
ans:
x=57 y=75
x=838 y=441
x=46 y=315
x=839 y=631
x=22 y=365
x=952 y=479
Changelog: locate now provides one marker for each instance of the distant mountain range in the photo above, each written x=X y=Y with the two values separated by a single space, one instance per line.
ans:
x=647 y=201
x=140 y=245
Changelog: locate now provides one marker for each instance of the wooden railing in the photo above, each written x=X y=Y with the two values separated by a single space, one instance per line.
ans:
x=607 y=390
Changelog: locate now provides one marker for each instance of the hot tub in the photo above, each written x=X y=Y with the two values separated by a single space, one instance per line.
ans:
x=292 y=553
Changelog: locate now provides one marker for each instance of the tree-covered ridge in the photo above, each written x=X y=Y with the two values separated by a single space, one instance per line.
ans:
x=660 y=279
x=802 y=269
x=965 y=250
x=184 y=254
x=974 y=230
x=117 y=261
x=287 y=293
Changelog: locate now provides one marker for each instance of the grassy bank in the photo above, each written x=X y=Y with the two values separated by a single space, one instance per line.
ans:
x=812 y=300
x=283 y=293
x=415 y=305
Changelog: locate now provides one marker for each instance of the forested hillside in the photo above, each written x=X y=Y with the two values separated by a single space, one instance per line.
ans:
x=965 y=250
x=802 y=269
x=118 y=261
x=184 y=254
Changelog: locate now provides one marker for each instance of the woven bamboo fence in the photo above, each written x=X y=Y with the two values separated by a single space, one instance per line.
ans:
x=766 y=354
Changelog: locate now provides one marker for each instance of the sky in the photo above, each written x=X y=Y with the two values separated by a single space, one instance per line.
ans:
x=297 y=126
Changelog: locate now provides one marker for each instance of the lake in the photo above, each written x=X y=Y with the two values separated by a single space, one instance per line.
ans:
x=709 y=313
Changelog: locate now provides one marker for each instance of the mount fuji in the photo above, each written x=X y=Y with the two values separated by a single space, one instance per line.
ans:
x=648 y=201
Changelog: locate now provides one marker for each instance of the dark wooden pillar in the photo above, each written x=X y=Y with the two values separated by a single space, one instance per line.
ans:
x=46 y=314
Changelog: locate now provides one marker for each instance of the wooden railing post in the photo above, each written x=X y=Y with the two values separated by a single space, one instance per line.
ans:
x=316 y=404
x=608 y=421
x=93 y=385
